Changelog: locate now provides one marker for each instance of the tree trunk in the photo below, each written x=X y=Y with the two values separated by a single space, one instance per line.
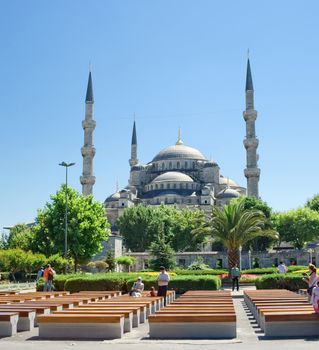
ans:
x=233 y=258
x=75 y=265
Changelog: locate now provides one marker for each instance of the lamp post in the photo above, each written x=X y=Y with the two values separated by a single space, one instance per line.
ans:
x=310 y=251
x=66 y=165
x=249 y=258
x=240 y=249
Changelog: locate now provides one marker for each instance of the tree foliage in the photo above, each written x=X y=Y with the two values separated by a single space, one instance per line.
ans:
x=297 y=226
x=20 y=236
x=142 y=225
x=234 y=226
x=163 y=254
x=87 y=226
x=126 y=261
x=262 y=242
x=313 y=203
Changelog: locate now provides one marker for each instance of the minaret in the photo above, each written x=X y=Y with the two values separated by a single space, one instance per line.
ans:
x=133 y=161
x=88 y=151
x=252 y=172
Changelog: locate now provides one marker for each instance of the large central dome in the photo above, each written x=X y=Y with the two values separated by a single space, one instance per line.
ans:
x=179 y=151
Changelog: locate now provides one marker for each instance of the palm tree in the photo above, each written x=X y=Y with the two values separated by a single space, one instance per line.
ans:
x=234 y=226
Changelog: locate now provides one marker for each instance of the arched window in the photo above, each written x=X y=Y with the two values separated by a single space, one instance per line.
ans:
x=156 y=186
x=193 y=165
x=162 y=186
x=152 y=187
x=180 y=185
x=170 y=165
x=186 y=185
x=163 y=166
x=174 y=185
x=178 y=165
x=168 y=186
x=185 y=165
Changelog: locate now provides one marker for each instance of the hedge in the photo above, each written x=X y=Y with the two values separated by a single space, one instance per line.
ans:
x=289 y=281
x=272 y=270
x=200 y=272
x=124 y=283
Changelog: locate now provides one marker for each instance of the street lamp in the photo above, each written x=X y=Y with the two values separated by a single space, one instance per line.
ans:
x=66 y=165
x=240 y=249
x=310 y=251
x=249 y=258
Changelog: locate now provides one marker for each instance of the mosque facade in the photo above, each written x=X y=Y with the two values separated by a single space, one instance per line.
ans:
x=178 y=175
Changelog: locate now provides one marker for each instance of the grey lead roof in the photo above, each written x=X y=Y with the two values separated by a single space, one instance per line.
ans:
x=134 y=138
x=249 y=79
x=89 y=91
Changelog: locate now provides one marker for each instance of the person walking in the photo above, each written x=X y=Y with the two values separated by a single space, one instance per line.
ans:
x=311 y=278
x=235 y=274
x=40 y=273
x=48 y=274
x=282 y=268
x=162 y=282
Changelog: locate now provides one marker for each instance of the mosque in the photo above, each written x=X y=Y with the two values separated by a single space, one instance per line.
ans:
x=178 y=175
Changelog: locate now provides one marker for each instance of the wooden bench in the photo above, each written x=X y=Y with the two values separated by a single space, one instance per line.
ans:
x=81 y=326
x=188 y=326
x=139 y=311
x=128 y=315
x=8 y=323
x=145 y=306
x=26 y=318
x=287 y=324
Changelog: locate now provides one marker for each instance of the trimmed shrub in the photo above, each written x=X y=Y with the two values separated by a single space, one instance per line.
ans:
x=200 y=272
x=261 y=271
x=288 y=281
x=124 y=282
x=96 y=282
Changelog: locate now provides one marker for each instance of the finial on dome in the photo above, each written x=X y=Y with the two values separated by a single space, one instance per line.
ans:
x=179 y=140
x=117 y=186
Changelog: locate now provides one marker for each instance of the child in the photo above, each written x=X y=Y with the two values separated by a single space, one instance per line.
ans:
x=152 y=292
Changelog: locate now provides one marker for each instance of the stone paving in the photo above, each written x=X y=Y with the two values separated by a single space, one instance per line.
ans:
x=249 y=337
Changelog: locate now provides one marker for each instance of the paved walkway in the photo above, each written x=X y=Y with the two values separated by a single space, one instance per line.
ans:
x=249 y=337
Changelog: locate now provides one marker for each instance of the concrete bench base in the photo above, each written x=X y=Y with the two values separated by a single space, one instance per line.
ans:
x=9 y=327
x=26 y=323
x=192 y=330
x=291 y=329
x=82 y=330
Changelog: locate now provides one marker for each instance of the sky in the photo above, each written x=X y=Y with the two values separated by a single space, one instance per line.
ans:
x=173 y=64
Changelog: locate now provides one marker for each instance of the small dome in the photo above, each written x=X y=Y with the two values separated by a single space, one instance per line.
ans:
x=225 y=181
x=179 y=151
x=227 y=193
x=114 y=197
x=173 y=176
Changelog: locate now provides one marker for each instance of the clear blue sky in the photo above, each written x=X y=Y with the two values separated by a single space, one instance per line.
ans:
x=173 y=63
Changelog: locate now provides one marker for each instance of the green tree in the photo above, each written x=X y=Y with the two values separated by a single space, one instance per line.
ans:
x=20 y=236
x=313 y=203
x=87 y=226
x=110 y=260
x=183 y=225
x=234 y=226
x=140 y=226
x=163 y=255
x=297 y=226
x=126 y=261
x=263 y=242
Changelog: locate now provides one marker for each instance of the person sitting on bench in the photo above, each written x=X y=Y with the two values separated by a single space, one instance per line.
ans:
x=137 y=288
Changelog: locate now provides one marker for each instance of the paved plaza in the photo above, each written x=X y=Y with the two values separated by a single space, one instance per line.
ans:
x=249 y=337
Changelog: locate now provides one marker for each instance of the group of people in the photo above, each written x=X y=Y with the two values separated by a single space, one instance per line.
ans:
x=162 y=282
x=47 y=274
